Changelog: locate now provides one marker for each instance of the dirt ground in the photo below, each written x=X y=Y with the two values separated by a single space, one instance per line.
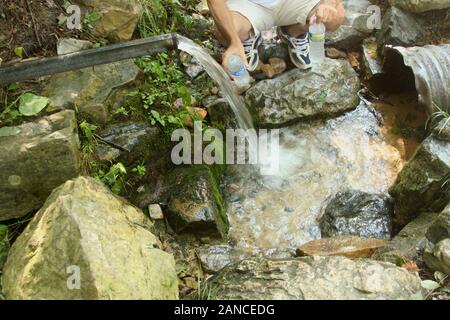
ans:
x=31 y=24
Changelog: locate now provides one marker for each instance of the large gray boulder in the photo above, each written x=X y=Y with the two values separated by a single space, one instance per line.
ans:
x=215 y=258
x=87 y=243
x=420 y=5
x=422 y=184
x=313 y=278
x=408 y=244
x=400 y=28
x=358 y=213
x=87 y=90
x=328 y=89
x=34 y=159
x=356 y=26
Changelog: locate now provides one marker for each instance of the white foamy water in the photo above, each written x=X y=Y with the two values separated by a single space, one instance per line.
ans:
x=316 y=160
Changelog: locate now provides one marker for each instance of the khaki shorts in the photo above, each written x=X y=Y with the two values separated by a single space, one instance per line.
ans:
x=285 y=13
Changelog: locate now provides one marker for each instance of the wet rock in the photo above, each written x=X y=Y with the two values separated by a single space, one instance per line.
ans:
x=438 y=258
x=420 y=185
x=442 y=130
x=440 y=228
x=334 y=53
x=136 y=139
x=358 y=213
x=70 y=45
x=400 y=28
x=195 y=114
x=420 y=6
x=194 y=201
x=346 y=246
x=83 y=229
x=273 y=49
x=220 y=112
x=331 y=88
x=155 y=212
x=409 y=243
x=38 y=158
x=87 y=89
x=314 y=278
x=215 y=258
x=4 y=245
x=355 y=27
x=371 y=59
x=275 y=67
x=192 y=66
x=117 y=18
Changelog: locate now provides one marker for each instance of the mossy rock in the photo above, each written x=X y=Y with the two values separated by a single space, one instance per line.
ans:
x=4 y=245
x=194 y=200
x=421 y=185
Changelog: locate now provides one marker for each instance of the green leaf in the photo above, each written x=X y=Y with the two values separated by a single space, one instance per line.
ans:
x=417 y=296
x=62 y=19
x=19 y=52
x=439 y=276
x=31 y=104
x=429 y=284
x=9 y=131
x=445 y=289
x=13 y=86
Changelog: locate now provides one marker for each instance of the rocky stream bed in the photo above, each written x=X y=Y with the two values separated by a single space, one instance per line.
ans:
x=91 y=206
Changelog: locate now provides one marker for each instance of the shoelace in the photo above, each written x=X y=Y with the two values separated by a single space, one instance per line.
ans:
x=301 y=45
x=248 y=47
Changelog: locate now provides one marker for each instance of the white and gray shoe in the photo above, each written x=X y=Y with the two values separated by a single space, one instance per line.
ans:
x=298 y=48
x=251 y=51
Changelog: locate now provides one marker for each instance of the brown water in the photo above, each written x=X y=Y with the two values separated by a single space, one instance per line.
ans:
x=319 y=159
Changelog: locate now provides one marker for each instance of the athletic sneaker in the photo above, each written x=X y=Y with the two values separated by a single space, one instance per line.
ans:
x=251 y=51
x=298 y=48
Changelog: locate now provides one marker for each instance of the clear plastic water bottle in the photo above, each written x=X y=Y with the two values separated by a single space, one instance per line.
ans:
x=317 y=41
x=238 y=70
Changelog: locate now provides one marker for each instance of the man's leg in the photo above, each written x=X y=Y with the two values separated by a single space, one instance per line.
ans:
x=293 y=21
x=334 y=11
x=242 y=25
x=248 y=19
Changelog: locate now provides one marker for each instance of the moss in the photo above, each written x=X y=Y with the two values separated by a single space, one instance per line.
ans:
x=223 y=224
x=4 y=245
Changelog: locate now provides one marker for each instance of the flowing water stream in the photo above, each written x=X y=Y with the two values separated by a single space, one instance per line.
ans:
x=216 y=72
x=361 y=150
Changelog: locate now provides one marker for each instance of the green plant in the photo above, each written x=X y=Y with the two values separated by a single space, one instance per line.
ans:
x=114 y=178
x=89 y=19
x=88 y=140
x=19 y=51
x=140 y=170
x=436 y=117
x=206 y=291
x=437 y=286
x=165 y=16
x=26 y=104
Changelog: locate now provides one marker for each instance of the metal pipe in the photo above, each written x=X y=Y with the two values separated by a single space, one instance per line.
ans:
x=33 y=68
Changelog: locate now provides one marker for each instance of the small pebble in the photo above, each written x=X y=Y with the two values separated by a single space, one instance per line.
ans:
x=155 y=212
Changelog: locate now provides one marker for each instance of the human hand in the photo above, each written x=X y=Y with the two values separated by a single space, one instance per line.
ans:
x=324 y=12
x=234 y=49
